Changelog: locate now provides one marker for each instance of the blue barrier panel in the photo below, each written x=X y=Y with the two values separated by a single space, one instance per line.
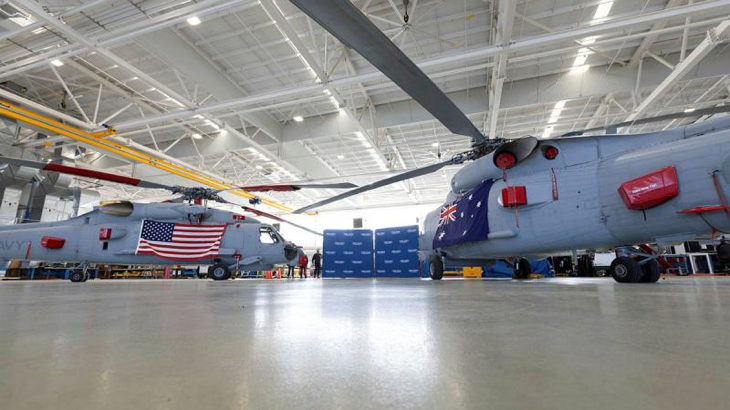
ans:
x=347 y=253
x=396 y=252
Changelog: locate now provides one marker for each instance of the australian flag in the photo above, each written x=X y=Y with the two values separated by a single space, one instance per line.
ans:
x=464 y=220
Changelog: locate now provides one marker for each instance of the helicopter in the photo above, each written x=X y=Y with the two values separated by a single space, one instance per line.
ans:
x=184 y=230
x=530 y=198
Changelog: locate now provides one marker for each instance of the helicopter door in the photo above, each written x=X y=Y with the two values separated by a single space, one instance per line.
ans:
x=270 y=242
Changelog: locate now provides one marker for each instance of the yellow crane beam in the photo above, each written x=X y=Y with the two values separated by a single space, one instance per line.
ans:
x=97 y=140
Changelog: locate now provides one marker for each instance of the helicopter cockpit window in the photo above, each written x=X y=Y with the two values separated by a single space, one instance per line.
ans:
x=267 y=235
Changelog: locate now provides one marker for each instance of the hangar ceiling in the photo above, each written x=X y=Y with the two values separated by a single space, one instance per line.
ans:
x=255 y=92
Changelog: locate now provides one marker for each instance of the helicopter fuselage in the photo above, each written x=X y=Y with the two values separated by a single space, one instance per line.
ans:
x=110 y=234
x=572 y=200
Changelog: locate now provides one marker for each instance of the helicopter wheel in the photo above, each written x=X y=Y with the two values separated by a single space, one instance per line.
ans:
x=523 y=269
x=626 y=270
x=650 y=272
x=436 y=268
x=77 y=276
x=219 y=271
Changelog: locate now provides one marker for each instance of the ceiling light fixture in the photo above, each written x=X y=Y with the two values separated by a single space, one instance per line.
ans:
x=579 y=65
x=689 y=109
x=197 y=136
x=298 y=118
x=57 y=63
x=555 y=114
x=602 y=10
x=548 y=131
x=193 y=21
x=435 y=144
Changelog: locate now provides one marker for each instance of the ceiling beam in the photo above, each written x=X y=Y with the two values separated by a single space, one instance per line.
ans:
x=494 y=50
x=286 y=29
x=546 y=89
x=651 y=38
x=502 y=24
x=714 y=37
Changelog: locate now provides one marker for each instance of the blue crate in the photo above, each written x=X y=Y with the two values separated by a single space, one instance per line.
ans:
x=348 y=253
x=396 y=252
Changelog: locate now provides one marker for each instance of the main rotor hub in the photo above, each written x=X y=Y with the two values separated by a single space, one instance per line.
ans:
x=197 y=193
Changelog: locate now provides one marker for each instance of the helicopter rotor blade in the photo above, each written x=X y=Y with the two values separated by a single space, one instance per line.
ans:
x=378 y=184
x=346 y=22
x=278 y=219
x=84 y=172
x=666 y=117
x=292 y=187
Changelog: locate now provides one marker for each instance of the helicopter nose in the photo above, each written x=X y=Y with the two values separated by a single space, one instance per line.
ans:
x=290 y=252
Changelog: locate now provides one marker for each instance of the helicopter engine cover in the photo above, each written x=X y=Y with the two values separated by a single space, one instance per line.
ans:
x=509 y=154
x=651 y=189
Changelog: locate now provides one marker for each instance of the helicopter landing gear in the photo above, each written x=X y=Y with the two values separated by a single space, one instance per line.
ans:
x=634 y=266
x=436 y=268
x=625 y=270
x=650 y=272
x=80 y=274
x=219 y=271
x=523 y=269
x=77 y=276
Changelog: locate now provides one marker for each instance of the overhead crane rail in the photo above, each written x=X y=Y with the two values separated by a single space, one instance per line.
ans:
x=100 y=140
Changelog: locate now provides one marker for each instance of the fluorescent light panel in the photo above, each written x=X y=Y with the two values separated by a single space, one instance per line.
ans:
x=602 y=10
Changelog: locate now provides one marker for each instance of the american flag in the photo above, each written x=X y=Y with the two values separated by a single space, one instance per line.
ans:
x=170 y=240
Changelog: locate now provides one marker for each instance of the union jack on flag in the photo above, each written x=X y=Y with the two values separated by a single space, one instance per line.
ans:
x=448 y=213
x=177 y=241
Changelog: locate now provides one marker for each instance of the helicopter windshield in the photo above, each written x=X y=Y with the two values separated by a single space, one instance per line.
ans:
x=268 y=236
x=122 y=209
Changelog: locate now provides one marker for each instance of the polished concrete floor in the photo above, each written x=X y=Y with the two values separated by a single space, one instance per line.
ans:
x=194 y=344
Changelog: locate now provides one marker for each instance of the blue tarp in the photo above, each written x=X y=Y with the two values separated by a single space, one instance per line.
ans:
x=396 y=252
x=502 y=270
x=348 y=253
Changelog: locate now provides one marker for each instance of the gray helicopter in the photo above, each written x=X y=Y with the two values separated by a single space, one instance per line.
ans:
x=180 y=232
x=528 y=197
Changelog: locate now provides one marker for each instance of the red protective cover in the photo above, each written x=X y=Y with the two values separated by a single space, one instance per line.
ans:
x=650 y=190
x=50 y=242
x=514 y=196
x=105 y=234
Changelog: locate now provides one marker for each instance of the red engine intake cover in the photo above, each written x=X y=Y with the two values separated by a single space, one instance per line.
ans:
x=514 y=196
x=50 y=242
x=650 y=190
x=105 y=234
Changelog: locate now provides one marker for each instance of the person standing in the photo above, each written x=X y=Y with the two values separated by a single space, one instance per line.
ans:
x=290 y=268
x=317 y=261
x=303 y=261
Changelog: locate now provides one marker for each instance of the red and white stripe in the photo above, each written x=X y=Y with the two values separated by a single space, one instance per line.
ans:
x=189 y=242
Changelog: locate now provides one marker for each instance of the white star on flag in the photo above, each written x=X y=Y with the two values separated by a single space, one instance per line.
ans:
x=441 y=236
x=479 y=204
x=463 y=234
x=462 y=214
